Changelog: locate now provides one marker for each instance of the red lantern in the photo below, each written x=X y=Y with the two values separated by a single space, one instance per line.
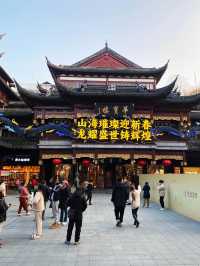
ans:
x=86 y=163
x=166 y=162
x=57 y=161
x=141 y=162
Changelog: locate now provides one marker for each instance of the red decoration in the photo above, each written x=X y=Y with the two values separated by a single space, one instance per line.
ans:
x=57 y=161
x=86 y=163
x=166 y=162
x=141 y=162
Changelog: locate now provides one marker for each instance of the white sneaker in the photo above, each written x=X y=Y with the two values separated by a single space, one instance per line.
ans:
x=34 y=236
x=161 y=209
x=64 y=223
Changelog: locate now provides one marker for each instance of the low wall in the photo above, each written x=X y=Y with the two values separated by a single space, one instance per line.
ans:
x=182 y=195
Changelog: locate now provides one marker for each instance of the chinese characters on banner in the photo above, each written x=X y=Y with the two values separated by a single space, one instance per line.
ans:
x=133 y=130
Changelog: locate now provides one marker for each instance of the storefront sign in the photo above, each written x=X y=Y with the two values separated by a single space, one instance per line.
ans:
x=29 y=169
x=19 y=159
x=126 y=130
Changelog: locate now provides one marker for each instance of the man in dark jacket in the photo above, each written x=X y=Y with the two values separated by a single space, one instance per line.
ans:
x=64 y=197
x=78 y=205
x=119 y=197
x=46 y=194
x=146 y=194
x=89 y=192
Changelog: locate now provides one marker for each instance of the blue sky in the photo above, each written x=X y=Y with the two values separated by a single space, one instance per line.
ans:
x=148 y=32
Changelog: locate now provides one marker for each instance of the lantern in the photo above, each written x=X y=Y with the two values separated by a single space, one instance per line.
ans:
x=57 y=161
x=86 y=163
x=141 y=162
x=166 y=162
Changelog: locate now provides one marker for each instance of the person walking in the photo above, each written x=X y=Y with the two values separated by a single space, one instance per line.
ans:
x=38 y=207
x=78 y=205
x=119 y=198
x=127 y=186
x=135 y=194
x=89 y=190
x=64 y=196
x=23 y=200
x=146 y=194
x=55 y=197
x=161 y=191
x=3 y=211
x=46 y=194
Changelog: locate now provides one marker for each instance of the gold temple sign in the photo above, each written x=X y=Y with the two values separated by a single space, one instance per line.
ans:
x=114 y=109
x=126 y=130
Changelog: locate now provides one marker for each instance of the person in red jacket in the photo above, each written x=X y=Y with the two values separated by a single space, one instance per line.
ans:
x=23 y=200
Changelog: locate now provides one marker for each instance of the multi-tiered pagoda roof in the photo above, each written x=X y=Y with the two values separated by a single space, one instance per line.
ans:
x=106 y=63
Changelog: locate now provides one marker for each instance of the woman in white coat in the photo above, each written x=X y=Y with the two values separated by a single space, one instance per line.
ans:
x=38 y=207
x=135 y=195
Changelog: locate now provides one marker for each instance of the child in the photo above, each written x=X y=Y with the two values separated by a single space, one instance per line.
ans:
x=3 y=211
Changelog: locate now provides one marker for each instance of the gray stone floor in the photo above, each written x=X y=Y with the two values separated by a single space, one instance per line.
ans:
x=164 y=238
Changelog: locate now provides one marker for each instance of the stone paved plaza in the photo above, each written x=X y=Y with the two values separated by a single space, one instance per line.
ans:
x=164 y=238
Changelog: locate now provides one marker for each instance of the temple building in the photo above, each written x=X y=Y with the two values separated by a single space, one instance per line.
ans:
x=104 y=117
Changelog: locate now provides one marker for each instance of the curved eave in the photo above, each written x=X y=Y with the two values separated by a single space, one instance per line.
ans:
x=77 y=96
x=182 y=101
x=33 y=99
x=5 y=75
x=104 y=72
x=8 y=91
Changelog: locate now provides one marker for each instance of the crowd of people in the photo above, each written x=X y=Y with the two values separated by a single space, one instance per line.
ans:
x=68 y=203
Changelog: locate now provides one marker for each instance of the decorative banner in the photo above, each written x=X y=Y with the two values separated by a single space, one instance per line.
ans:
x=134 y=130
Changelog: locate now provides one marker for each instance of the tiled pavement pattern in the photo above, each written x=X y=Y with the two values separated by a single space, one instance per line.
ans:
x=164 y=238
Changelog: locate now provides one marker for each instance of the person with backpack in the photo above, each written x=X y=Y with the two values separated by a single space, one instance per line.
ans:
x=78 y=205
x=3 y=211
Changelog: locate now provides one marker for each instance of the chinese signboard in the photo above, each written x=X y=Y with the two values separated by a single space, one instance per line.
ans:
x=104 y=129
x=115 y=110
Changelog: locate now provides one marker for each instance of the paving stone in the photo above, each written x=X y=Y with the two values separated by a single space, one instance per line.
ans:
x=165 y=238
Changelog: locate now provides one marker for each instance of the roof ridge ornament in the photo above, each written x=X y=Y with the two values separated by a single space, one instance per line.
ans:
x=106 y=45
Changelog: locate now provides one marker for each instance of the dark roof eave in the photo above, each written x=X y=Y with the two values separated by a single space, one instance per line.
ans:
x=132 y=72
x=182 y=101
x=8 y=91
x=5 y=75
x=95 y=96
x=33 y=99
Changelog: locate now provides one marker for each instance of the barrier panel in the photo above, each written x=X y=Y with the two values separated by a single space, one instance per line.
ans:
x=182 y=192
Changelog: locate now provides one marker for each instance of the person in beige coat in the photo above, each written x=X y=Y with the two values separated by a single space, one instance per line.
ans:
x=38 y=207
x=3 y=188
x=135 y=195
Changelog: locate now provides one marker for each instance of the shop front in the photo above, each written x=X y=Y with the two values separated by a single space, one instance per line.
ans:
x=20 y=166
